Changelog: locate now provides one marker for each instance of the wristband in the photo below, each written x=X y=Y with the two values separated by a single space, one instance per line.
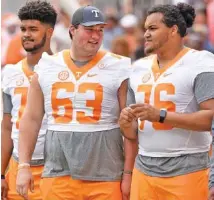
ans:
x=127 y=172
x=23 y=165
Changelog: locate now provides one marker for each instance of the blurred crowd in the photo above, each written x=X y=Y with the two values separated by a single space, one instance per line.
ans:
x=123 y=33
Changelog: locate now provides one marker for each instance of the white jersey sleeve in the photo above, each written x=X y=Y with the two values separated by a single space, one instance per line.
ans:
x=199 y=62
x=5 y=77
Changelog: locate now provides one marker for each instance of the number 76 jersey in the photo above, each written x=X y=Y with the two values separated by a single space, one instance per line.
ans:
x=15 y=82
x=83 y=99
x=170 y=88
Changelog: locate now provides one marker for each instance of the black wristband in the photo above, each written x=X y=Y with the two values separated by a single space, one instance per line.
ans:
x=2 y=176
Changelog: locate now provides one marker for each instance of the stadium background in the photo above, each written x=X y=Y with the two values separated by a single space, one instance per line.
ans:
x=123 y=35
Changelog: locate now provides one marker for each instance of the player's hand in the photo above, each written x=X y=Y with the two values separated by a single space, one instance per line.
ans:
x=24 y=182
x=126 y=118
x=126 y=186
x=4 y=189
x=211 y=193
x=146 y=112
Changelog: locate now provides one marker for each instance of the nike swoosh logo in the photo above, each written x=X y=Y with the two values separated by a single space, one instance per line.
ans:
x=91 y=75
x=167 y=74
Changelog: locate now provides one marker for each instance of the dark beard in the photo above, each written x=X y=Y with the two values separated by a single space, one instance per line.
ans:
x=157 y=46
x=36 y=47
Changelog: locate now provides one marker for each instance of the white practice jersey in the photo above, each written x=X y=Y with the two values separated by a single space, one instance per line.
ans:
x=170 y=88
x=15 y=82
x=82 y=99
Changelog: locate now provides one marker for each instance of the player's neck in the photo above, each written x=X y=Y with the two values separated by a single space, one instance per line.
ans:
x=166 y=56
x=33 y=58
x=78 y=56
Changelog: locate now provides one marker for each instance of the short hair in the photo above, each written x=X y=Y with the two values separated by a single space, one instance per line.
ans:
x=182 y=15
x=71 y=36
x=38 y=10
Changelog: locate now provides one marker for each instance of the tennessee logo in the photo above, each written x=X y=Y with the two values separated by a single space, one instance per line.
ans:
x=78 y=74
x=63 y=75
x=30 y=78
x=157 y=75
x=20 y=81
x=96 y=12
x=146 y=77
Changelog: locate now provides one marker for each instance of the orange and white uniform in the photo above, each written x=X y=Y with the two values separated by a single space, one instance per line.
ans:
x=15 y=83
x=172 y=88
x=84 y=147
x=79 y=99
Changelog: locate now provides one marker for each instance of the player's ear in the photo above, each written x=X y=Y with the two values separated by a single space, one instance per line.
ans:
x=174 y=30
x=49 y=32
x=72 y=30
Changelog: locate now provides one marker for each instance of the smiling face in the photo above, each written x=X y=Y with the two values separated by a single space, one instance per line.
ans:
x=33 y=35
x=87 y=39
x=157 y=34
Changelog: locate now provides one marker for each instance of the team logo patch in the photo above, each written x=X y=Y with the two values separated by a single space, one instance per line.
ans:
x=102 y=66
x=63 y=75
x=20 y=81
x=96 y=12
x=78 y=74
x=146 y=77
x=30 y=78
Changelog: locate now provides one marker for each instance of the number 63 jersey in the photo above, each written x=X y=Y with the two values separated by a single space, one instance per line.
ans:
x=82 y=99
x=15 y=82
x=170 y=88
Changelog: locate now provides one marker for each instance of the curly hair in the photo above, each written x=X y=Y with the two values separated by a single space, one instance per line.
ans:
x=182 y=15
x=38 y=10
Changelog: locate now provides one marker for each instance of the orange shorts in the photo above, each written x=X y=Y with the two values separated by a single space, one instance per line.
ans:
x=11 y=180
x=66 y=188
x=193 y=186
